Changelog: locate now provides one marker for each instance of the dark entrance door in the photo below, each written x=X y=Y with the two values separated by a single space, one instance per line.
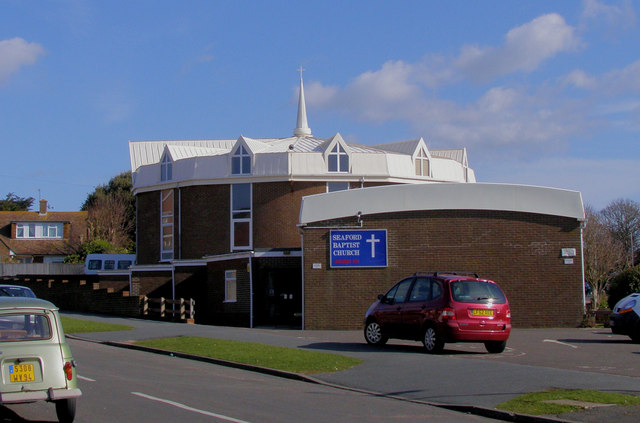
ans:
x=278 y=298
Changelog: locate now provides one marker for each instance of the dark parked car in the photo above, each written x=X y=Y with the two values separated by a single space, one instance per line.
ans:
x=16 y=291
x=436 y=308
x=625 y=317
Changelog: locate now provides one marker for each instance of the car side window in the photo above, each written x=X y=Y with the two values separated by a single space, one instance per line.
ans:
x=399 y=292
x=421 y=290
x=436 y=290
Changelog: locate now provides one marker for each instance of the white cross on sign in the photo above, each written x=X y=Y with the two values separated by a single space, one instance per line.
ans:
x=373 y=242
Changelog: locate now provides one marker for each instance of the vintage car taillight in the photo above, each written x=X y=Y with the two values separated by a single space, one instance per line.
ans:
x=68 y=370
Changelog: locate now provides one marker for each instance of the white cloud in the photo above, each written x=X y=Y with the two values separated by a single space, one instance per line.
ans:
x=580 y=79
x=525 y=48
x=16 y=53
x=615 y=17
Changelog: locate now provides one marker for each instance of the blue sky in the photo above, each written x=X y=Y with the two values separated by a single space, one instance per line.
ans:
x=539 y=92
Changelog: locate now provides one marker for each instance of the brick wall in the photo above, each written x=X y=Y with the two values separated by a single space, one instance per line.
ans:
x=205 y=221
x=521 y=251
x=215 y=310
x=276 y=209
x=83 y=293
x=148 y=227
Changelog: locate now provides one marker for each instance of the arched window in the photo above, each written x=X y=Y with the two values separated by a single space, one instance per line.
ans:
x=422 y=163
x=338 y=159
x=241 y=162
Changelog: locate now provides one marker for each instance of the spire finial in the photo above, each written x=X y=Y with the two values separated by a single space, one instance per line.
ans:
x=302 y=128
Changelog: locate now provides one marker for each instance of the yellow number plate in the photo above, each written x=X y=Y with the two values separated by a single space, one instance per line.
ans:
x=481 y=312
x=21 y=373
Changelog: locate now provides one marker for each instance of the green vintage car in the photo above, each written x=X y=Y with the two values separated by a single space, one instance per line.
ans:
x=35 y=360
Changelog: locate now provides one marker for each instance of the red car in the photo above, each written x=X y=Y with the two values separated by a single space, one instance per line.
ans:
x=436 y=308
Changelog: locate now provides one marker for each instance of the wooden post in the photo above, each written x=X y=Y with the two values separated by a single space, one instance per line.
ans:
x=162 y=306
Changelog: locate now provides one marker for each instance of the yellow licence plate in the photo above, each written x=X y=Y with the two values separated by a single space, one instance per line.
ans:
x=21 y=373
x=481 y=312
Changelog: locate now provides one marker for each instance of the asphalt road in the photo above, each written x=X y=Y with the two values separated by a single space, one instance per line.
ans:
x=122 y=385
x=535 y=360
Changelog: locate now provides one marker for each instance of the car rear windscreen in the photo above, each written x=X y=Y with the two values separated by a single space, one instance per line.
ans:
x=472 y=291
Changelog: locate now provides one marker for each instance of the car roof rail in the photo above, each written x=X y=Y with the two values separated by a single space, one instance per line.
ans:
x=440 y=272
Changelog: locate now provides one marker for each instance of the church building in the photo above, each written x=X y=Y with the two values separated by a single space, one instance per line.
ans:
x=228 y=222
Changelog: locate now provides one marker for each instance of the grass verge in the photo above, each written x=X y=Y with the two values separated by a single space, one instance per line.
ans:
x=536 y=404
x=280 y=358
x=71 y=325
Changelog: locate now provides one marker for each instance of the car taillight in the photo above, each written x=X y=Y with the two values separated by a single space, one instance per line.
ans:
x=508 y=314
x=448 y=314
x=68 y=370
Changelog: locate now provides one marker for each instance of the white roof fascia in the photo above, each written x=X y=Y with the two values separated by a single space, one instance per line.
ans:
x=441 y=196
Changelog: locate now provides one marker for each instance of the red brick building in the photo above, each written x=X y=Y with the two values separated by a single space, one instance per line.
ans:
x=40 y=236
x=221 y=221
x=528 y=239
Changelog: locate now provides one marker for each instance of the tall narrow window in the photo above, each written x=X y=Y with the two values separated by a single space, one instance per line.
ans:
x=241 y=162
x=230 y=286
x=166 y=217
x=338 y=159
x=422 y=163
x=241 y=217
x=166 y=168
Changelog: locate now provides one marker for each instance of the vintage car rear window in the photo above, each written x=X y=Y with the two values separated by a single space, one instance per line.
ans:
x=472 y=291
x=24 y=327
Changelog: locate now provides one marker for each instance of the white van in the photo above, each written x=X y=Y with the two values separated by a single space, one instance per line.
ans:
x=95 y=263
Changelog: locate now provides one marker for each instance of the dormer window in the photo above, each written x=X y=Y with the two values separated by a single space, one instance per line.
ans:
x=166 y=168
x=241 y=162
x=422 y=163
x=338 y=159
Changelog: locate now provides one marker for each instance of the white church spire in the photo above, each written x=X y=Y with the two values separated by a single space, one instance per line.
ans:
x=302 y=127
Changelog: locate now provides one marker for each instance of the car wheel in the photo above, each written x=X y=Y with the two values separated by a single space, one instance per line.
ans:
x=66 y=410
x=432 y=340
x=373 y=334
x=495 y=347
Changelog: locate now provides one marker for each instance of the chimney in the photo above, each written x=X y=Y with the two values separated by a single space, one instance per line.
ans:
x=43 y=207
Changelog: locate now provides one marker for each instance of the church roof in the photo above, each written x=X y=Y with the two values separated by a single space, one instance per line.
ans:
x=298 y=157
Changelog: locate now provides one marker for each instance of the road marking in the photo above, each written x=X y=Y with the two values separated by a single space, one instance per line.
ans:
x=86 y=378
x=558 y=342
x=186 y=407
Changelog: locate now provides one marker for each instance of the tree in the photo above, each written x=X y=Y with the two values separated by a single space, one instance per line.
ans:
x=97 y=246
x=625 y=283
x=603 y=255
x=111 y=212
x=14 y=203
x=622 y=217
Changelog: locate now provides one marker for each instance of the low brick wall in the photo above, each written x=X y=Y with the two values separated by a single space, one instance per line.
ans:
x=83 y=293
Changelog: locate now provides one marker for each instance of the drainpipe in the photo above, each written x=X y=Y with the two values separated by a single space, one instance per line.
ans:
x=251 y=290
x=583 y=224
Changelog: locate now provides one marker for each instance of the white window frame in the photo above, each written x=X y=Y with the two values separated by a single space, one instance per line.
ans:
x=338 y=153
x=166 y=224
x=166 y=168
x=243 y=159
x=230 y=286
x=420 y=161
x=39 y=230
x=241 y=216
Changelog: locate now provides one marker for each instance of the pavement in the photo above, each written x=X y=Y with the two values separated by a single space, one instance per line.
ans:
x=401 y=370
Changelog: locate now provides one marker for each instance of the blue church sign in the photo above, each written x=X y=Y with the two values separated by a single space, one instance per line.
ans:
x=358 y=248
